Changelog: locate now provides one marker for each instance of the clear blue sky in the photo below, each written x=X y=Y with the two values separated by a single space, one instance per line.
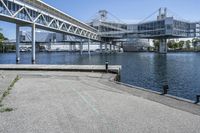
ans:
x=126 y=10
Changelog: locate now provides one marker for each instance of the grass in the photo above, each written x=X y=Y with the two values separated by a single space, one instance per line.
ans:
x=2 y=110
x=6 y=93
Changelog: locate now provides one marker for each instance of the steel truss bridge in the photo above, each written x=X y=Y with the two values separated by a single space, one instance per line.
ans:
x=37 y=14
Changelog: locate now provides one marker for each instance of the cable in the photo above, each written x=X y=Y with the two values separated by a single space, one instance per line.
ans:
x=148 y=16
x=119 y=20
x=174 y=14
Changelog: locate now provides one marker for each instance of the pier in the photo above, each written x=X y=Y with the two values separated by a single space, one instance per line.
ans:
x=61 y=101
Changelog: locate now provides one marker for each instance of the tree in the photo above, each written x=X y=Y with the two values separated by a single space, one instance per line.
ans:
x=2 y=38
x=170 y=44
x=174 y=45
x=1 y=42
x=156 y=44
x=181 y=43
x=188 y=44
x=195 y=41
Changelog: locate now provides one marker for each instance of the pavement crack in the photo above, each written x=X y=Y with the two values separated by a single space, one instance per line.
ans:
x=5 y=94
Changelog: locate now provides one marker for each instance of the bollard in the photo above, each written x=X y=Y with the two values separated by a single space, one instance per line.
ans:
x=165 y=89
x=106 y=66
x=197 y=99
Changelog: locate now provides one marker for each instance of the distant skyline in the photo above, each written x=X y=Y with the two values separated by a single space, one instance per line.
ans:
x=130 y=11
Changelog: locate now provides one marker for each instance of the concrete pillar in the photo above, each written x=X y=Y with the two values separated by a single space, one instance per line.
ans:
x=119 y=49
x=70 y=47
x=110 y=47
x=120 y=46
x=74 y=47
x=89 y=41
x=33 y=44
x=106 y=47
x=101 y=51
x=81 y=47
x=17 y=44
x=114 y=48
x=163 y=46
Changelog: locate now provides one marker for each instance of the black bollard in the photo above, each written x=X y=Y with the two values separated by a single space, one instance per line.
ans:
x=197 y=99
x=106 y=63
x=165 y=89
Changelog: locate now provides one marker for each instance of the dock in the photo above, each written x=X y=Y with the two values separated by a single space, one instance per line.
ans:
x=59 y=101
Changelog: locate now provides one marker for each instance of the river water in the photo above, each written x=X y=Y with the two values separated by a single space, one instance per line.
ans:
x=181 y=71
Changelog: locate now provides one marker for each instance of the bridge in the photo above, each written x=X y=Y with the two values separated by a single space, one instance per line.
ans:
x=163 y=28
x=37 y=14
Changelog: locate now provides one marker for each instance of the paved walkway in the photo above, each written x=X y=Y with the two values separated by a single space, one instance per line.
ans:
x=66 y=102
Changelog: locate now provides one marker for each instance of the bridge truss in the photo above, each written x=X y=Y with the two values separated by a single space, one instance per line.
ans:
x=37 y=14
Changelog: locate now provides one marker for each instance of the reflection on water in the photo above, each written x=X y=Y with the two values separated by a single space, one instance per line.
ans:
x=181 y=71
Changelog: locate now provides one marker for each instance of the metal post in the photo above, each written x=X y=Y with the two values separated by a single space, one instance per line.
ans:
x=17 y=44
x=106 y=65
x=197 y=99
x=33 y=44
x=110 y=47
x=89 y=46
x=165 y=89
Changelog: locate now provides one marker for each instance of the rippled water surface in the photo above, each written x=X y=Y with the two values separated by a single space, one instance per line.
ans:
x=181 y=71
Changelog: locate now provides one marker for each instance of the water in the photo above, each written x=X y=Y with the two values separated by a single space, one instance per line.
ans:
x=181 y=71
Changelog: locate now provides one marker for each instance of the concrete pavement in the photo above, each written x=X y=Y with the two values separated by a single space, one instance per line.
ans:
x=80 y=102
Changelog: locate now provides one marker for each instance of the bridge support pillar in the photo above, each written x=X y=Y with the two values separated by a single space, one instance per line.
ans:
x=163 y=46
x=89 y=42
x=114 y=48
x=81 y=47
x=110 y=48
x=101 y=51
x=33 y=43
x=17 y=43
x=106 y=47
x=70 y=47
x=119 y=49
x=74 y=47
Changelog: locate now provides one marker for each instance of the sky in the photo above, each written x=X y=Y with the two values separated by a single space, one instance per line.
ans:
x=130 y=11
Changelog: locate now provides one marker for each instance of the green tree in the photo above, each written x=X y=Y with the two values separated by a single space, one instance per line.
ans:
x=195 y=41
x=170 y=44
x=173 y=45
x=188 y=44
x=181 y=43
x=1 y=41
x=156 y=44
x=2 y=38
